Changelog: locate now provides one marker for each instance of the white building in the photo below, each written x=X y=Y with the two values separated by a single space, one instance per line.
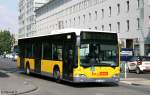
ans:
x=27 y=16
x=130 y=18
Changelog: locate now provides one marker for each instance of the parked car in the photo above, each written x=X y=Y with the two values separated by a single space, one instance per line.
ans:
x=15 y=56
x=139 y=64
x=10 y=56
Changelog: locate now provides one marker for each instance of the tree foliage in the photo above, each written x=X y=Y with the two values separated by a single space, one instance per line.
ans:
x=6 y=41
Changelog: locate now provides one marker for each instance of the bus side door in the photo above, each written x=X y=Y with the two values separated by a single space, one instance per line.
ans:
x=38 y=54
x=68 y=62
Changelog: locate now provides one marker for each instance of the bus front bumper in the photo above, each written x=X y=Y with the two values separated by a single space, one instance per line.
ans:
x=98 y=80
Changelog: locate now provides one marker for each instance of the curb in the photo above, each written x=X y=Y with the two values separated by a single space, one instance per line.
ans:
x=130 y=83
x=142 y=83
x=125 y=82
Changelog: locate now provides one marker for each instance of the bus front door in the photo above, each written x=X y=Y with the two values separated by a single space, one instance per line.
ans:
x=68 y=62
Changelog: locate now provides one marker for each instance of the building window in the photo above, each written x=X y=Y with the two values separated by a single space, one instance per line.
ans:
x=70 y=21
x=138 y=3
x=102 y=13
x=109 y=11
x=109 y=27
x=79 y=19
x=74 y=20
x=83 y=18
x=95 y=27
x=102 y=27
x=80 y=6
x=138 y=23
x=118 y=27
x=90 y=17
x=77 y=6
x=128 y=6
x=149 y=20
x=87 y=3
x=66 y=23
x=118 y=8
x=129 y=43
x=128 y=25
x=95 y=15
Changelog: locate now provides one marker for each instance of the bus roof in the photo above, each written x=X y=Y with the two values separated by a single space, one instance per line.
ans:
x=70 y=30
x=76 y=31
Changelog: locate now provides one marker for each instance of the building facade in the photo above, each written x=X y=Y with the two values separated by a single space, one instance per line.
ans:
x=27 y=16
x=129 y=18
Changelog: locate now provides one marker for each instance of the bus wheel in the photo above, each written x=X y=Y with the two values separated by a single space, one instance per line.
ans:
x=27 y=70
x=56 y=74
x=137 y=71
x=129 y=70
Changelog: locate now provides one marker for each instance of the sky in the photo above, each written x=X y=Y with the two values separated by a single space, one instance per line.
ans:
x=9 y=15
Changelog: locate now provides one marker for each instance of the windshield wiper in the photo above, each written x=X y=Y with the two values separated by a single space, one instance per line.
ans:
x=97 y=64
x=86 y=65
x=107 y=64
x=113 y=65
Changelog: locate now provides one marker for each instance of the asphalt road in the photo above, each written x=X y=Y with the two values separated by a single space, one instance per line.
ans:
x=46 y=86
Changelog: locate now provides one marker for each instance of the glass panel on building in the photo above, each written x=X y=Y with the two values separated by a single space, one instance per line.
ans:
x=138 y=23
x=128 y=25
x=109 y=11
x=118 y=26
x=118 y=8
x=128 y=6
x=109 y=27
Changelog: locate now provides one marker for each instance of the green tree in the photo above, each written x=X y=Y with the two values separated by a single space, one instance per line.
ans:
x=6 y=41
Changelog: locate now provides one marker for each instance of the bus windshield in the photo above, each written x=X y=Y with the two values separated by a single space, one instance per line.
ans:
x=97 y=54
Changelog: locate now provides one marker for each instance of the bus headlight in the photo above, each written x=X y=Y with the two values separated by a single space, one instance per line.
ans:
x=81 y=77
x=116 y=77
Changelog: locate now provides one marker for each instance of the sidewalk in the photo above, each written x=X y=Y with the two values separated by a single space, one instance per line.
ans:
x=13 y=85
x=135 y=81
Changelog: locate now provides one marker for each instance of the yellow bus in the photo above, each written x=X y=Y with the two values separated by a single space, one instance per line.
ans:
x=74 y=55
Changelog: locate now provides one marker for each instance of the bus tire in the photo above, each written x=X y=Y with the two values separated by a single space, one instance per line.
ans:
x=138 y=71
x=28 y=69
x=129 y=71
x=56 y=74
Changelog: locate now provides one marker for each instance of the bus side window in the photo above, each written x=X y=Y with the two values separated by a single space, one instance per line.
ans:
x=22 y=51
x=28 y=50
x=47 y=51
x=57 y=52
x=55 y=55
